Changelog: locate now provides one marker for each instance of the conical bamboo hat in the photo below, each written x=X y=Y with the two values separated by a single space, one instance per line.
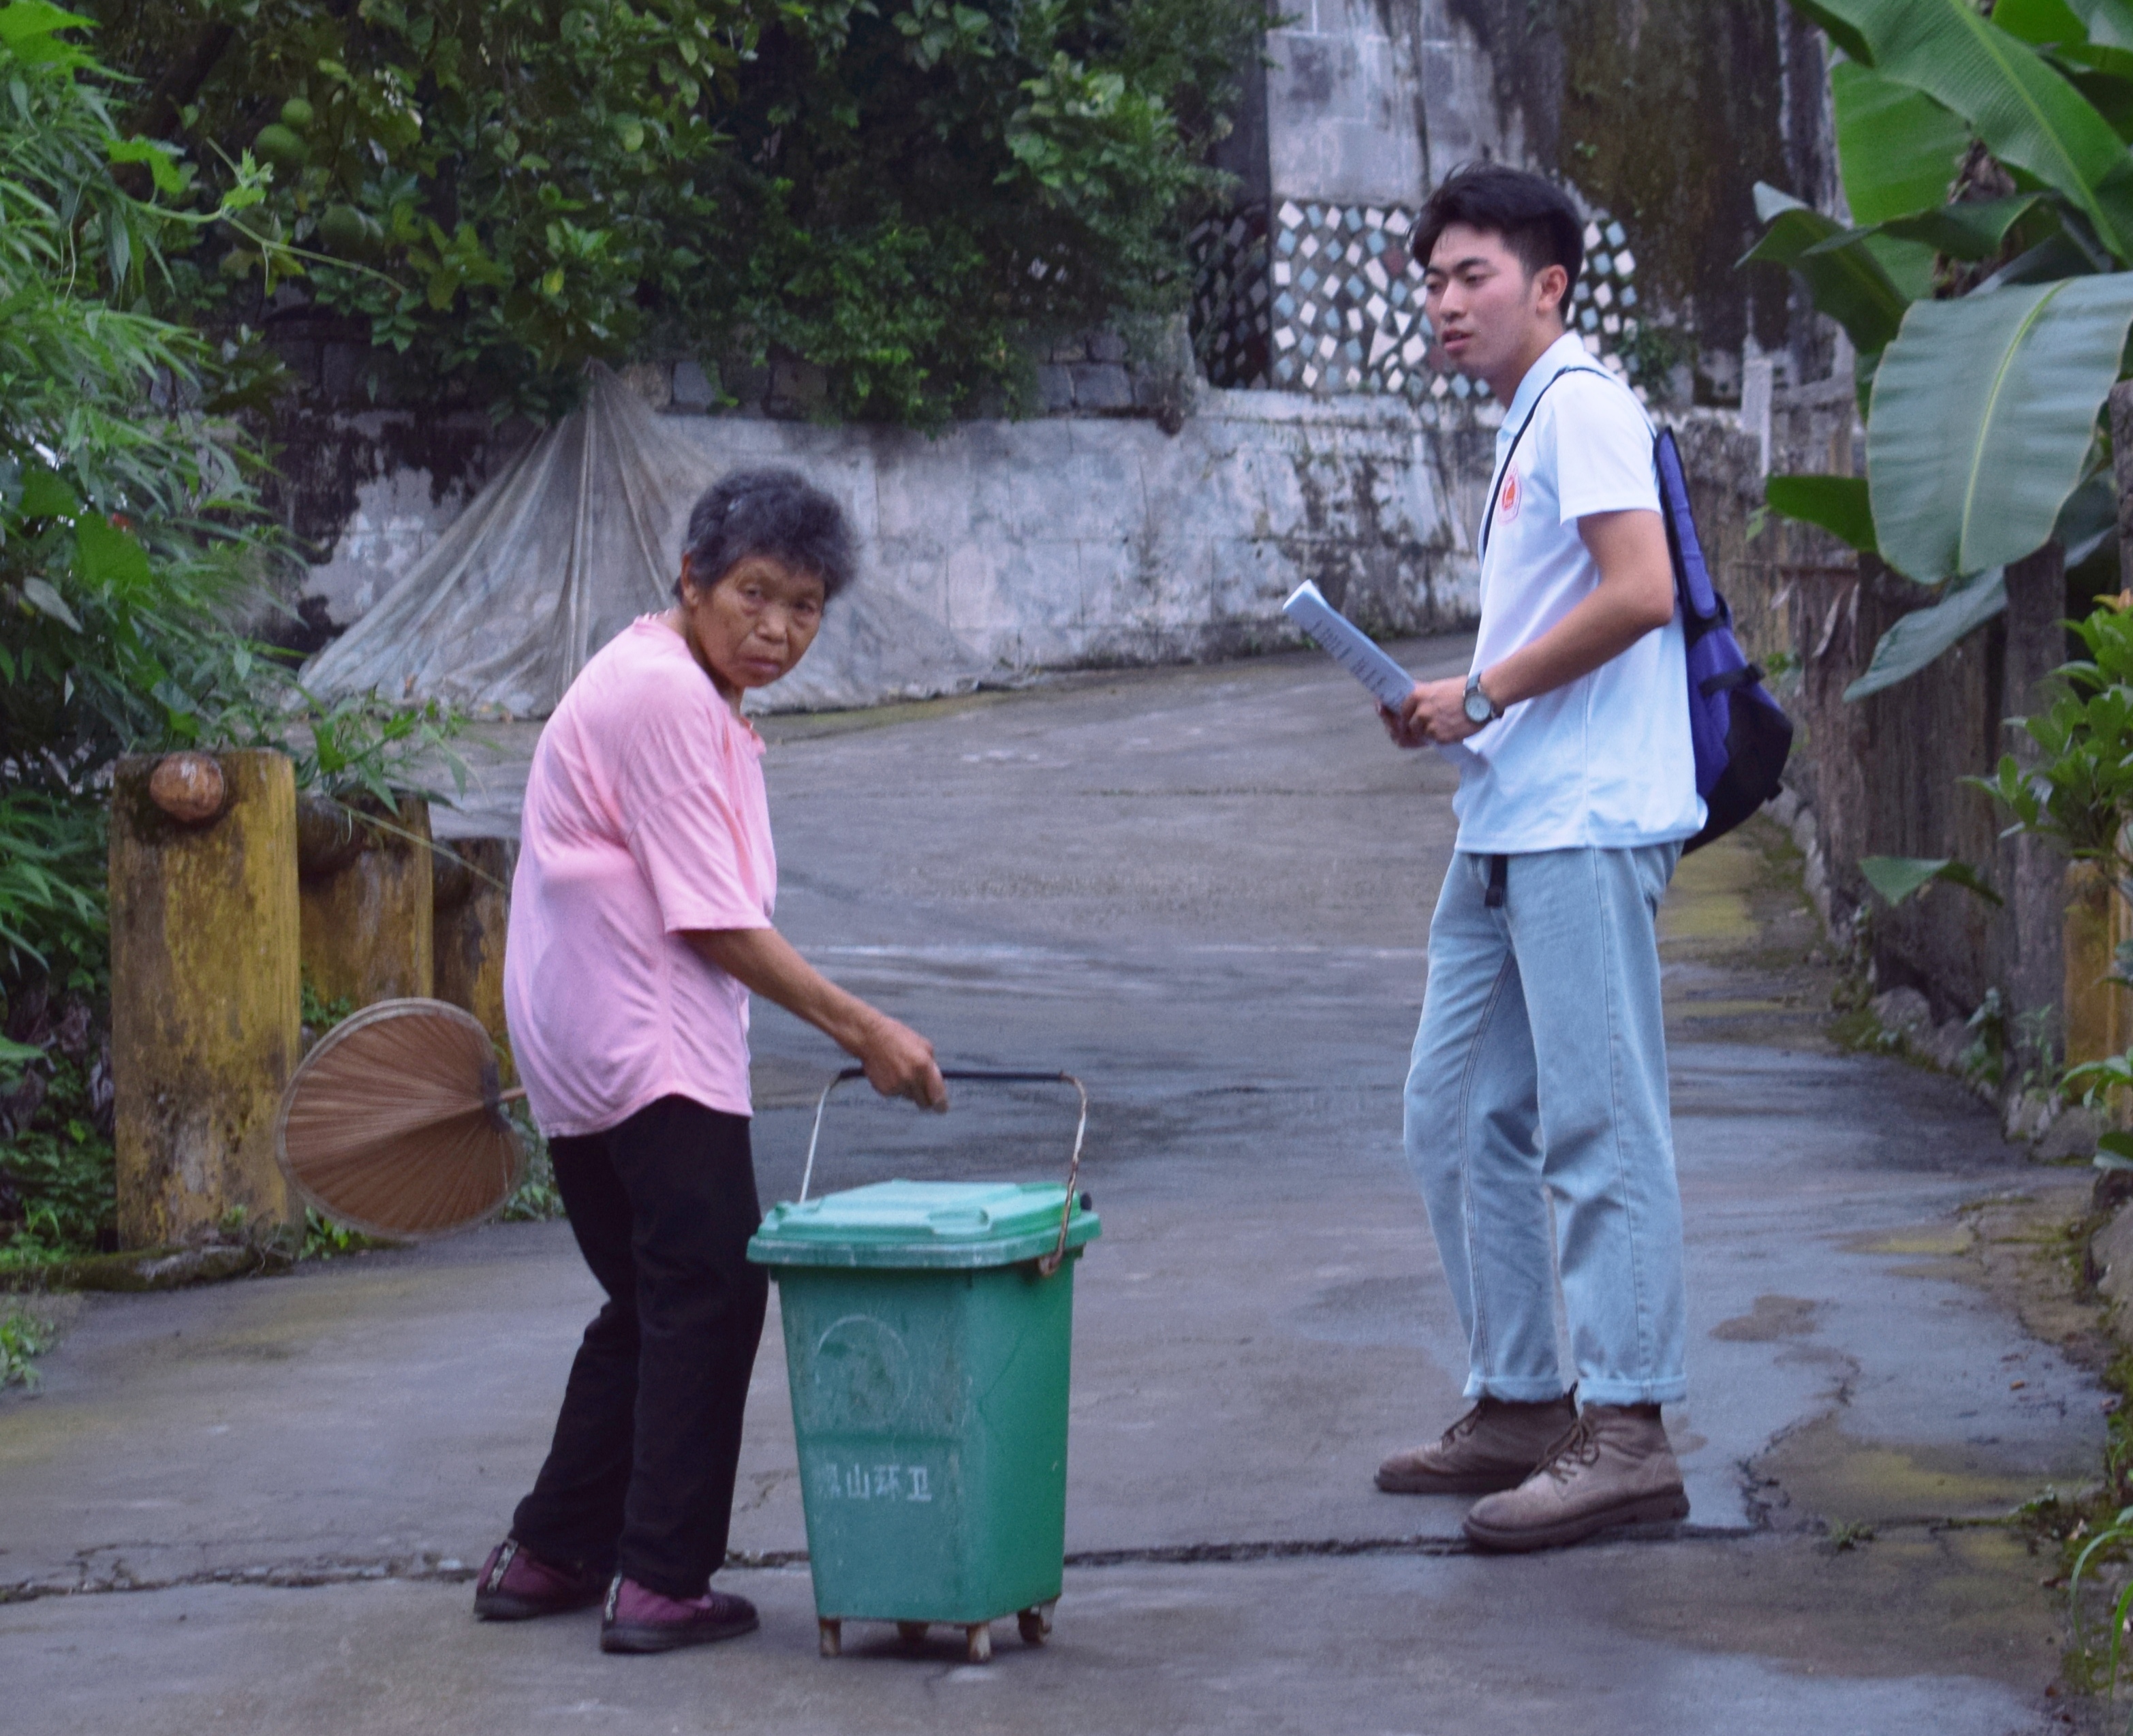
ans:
x=394 y=1123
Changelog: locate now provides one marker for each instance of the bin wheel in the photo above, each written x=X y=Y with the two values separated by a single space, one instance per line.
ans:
x=1035 y=1624
x=831 y=1636
x=979 y=1635
x=912 y=1632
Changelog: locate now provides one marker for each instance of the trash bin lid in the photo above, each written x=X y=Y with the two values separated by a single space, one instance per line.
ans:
x=922 y=1224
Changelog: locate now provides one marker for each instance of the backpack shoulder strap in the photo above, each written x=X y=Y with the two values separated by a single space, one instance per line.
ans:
x=1699 y=597
x=1495 y=492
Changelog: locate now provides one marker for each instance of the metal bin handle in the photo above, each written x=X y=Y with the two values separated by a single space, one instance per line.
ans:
x=1049 y=1263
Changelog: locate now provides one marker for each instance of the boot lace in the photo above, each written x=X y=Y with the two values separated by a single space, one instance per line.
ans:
x=1465 y=1426
x=1578 y=1446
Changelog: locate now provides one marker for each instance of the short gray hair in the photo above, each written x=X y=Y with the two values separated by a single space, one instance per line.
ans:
x=776 y=512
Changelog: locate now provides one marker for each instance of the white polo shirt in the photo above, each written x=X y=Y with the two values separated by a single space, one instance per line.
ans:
x=1605 y=761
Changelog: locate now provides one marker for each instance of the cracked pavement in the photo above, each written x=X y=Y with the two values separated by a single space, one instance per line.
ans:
x=1206 y=891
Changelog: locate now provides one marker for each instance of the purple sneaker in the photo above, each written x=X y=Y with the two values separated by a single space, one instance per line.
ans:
x=516 y=1585
x=636 y=1619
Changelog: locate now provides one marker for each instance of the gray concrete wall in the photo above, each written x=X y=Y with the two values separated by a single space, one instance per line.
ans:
x=1064 y=541
x=1373 y=101
x=1343 y=104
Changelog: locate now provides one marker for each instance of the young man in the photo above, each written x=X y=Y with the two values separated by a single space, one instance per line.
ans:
x=1539 y=1070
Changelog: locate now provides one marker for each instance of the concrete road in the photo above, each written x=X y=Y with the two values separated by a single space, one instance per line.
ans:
x=1207 y=893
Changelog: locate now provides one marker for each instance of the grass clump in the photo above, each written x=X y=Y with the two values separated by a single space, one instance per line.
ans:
x=24 y=1336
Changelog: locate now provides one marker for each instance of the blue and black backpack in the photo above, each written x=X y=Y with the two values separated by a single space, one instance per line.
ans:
x=1741 y=736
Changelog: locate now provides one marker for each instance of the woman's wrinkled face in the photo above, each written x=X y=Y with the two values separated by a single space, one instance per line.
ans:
x=754 y=624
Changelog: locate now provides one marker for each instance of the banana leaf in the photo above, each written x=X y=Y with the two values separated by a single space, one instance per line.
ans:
x=2043 y=23
x=1920 y=637
x=1897 y=148
x=1837 y=505
x=1898 y=877
x=2060 y=254
x=1970 y=229
x=1982 y=415
x=2091 y=58
x=2028 y=115
x=1849 y=282
x=2089 y=518
x=2091 y=31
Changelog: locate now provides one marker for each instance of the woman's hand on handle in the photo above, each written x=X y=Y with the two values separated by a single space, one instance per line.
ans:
x=899 y=1062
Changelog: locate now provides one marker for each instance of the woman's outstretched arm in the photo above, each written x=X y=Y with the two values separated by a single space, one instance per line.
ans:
x=899 y=1062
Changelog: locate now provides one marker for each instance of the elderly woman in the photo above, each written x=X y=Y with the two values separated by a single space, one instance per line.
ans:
x=640 y=920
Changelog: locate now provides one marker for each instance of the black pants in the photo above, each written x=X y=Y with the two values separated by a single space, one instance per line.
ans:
x=641 y=1473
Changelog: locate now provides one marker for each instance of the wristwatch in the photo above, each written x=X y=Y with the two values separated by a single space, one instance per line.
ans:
x=1479 y=707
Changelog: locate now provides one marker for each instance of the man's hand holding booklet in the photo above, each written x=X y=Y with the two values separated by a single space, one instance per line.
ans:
x=1351 y=647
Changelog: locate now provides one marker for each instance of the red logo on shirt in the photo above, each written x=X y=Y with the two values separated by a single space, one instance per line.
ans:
x=1508 y=507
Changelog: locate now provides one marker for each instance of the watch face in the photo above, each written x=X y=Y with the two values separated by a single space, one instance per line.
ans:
x=1478 y=708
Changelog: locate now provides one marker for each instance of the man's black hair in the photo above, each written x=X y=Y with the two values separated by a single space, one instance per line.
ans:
x=1534 y=216
x=775 y=512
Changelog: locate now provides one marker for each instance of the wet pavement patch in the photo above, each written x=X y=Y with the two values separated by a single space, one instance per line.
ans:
x=1772 y=1318
x=1825 y=1473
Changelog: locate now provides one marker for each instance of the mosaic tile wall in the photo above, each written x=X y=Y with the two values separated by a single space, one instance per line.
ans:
x=1325 y=299
x=1230 y=330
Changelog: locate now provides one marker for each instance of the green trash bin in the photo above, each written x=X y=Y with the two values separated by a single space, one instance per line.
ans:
x=928 y=1329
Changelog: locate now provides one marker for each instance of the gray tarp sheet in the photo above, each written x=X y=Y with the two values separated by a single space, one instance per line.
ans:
x=575 y=538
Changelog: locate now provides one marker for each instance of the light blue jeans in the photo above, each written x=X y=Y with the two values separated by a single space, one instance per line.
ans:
x=1540 y=1070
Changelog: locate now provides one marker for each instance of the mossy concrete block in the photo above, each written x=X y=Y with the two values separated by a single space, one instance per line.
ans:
x=2110 y=1259
x=156 y=1268
x=472 y=910
x=204 y=1001
x=369 y=929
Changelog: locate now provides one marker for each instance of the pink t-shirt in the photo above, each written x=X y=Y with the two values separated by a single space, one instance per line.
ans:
x=645 y=816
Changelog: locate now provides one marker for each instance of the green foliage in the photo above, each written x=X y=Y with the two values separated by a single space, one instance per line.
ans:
x=1970 y=463
x=2006 y=91
x=1844 y=270
x=126 y=523
x=2109 y=1540
x=896 y=192
x=1983 y=378
x=1837 y=505
x=24 y=1336
x=315 y=1011
x=52 y=922
x=1917 y=638
x=361 y=746
x=129 y=535
x=323 y=1239
x=56 y=1194
x=1897 y=148
x=1898 y=877
x=536 y=1198
x=2079 y=794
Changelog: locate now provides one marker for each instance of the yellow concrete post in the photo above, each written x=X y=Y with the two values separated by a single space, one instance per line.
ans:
x=473 y=908
x=2099 y=1019
x=204 y=990
x=367 y=906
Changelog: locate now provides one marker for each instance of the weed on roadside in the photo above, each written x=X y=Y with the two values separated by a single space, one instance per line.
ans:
x=325 y=1239
x=316 y=1013
x=536 y=1198
x=1846 y=1535
x=24 y=1336
x=2108 y=1541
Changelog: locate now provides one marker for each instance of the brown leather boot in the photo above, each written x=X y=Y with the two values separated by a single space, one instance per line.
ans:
x=1494 y=1446
x=1614 y=1467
